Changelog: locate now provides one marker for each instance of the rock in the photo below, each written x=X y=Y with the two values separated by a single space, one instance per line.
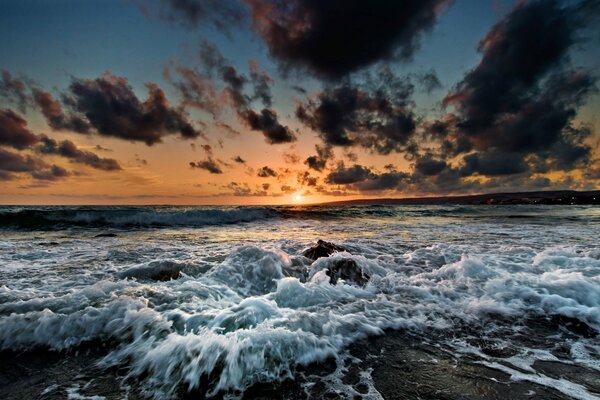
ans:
x=154 y=271
x=347 y=270
x=105 y=235
x=49 y=244
x=322 y=249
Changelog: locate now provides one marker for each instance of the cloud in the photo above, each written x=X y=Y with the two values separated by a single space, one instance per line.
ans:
x=347 y=175
x=197 y=90
x=384 y=181
x=430 y=166
x=304 y=178
x=429 y=81
x=318 y=162
x=239 y=160
x=14 y=131
x=69 y=150
x=53 y=112
x=266 y=172
x=209 y=165
x=267 y=123
x=221 y=14
x=261 y=82
x=14 y=163
x=14 y=90
x=493 y=163
x=523 y=95
x=109 y=106
x=333 y=38
x=376 y=114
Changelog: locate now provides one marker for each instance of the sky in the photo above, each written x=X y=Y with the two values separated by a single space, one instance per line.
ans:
x=295 y=102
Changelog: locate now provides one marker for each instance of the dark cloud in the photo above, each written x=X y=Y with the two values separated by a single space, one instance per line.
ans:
x=55 y=117
x=375 y=114
x=266 y=172
x=493 y=163
x=244 y=190
x=267 y=123
x=347 y=175
x=239 y=160
x=109 y=106
x=291 y=158
x=196 y=90
x=333 y=38
x=299 y=89
x=523 y=96
x=13 y=90
x=222 y=14
x=261 y=82
x=52 y=173
x=429 y=81
x=304 y=178
x=318 y=162
x=209 y=165
x=14 y=163
x=14 y=131
x=69 y=150
x=429 y=166
x=384 y=181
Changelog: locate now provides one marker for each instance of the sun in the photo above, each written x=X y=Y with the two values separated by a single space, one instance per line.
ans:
x=298 y=198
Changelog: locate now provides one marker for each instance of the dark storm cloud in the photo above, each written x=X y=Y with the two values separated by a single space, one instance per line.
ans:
x=523 y=96
x=376 y=114
x=429 y=81
x=14 y=163
x=266 y=172
x=222 y=14
x=333 y=38
x=384 y=181
x=347 y=175
x=267 y=123
x=318 y=162
x=55 y=117
x=493 y=163
x=69 y=150
x=108 y=106
x=304 y=178
x=261 y=82
x=13 y=90
x=14 y=131
x=209 y=165
x=429 y=166
x=196 y=90
x=235 y=85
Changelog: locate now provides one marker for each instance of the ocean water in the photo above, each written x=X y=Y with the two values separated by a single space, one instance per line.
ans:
x=511 y=289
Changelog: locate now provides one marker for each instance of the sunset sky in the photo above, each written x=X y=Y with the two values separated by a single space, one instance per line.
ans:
x=276 y=102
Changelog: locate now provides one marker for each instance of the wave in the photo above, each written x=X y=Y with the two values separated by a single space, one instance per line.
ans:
x=128 y=217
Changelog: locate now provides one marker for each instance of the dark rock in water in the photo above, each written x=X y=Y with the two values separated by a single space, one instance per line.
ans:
x=298 y=269
x=347 y=270
x=575 y=326
x=49 y=244
x=155 y=271
x=105 y=235
x=322 y=249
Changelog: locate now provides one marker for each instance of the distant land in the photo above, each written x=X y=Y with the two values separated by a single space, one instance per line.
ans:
x=557 y=197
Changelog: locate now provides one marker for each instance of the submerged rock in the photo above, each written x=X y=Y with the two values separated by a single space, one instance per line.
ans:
x=154 y=271
x=348 y=270
x=106 y=235
x=322 y=249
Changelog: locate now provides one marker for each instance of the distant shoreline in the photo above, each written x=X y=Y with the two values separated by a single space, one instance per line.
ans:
x=558 y=197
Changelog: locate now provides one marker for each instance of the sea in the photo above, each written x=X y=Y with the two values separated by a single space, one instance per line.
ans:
x=164 y=302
